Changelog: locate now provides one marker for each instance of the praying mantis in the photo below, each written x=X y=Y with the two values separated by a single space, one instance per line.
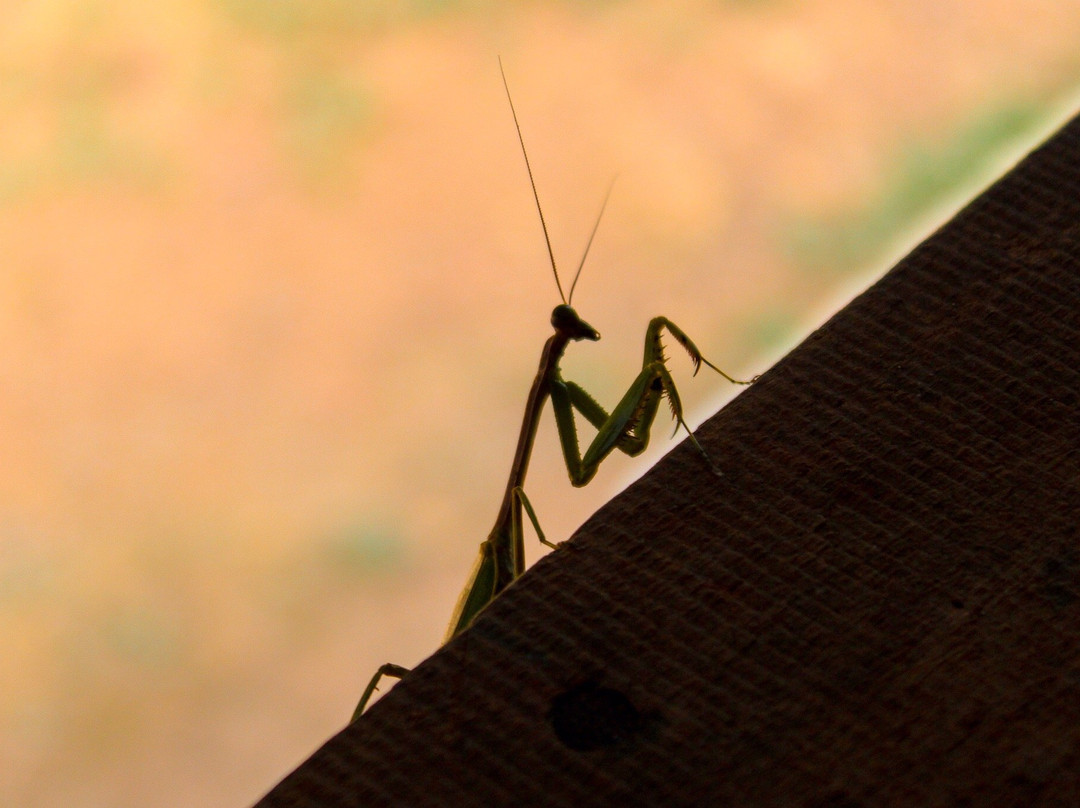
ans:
x=501 y=559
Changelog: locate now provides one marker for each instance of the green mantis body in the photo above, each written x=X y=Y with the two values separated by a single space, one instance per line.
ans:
x=501 y=558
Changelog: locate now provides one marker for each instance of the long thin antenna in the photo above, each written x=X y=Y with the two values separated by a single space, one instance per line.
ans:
x=585 y=254
x=532 y=182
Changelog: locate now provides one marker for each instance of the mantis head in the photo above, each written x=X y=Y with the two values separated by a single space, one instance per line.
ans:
x=566 y=321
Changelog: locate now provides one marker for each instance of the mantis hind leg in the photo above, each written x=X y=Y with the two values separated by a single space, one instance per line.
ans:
x=480 y=591
x=519 y=494
x=389 y=669
x=486 y=581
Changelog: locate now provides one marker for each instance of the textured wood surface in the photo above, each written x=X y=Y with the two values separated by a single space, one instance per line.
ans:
x=878 y=603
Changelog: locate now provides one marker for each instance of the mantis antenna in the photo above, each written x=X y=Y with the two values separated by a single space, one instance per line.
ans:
x=589 y=243
x=532 y=182
x=536 y=197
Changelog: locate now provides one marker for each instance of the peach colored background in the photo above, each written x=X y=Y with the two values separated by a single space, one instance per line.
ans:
x=273 y=291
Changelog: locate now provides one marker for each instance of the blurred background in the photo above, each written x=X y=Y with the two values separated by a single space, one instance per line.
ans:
x=273 y=290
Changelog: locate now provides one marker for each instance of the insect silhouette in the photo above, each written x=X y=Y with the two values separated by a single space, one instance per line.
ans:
x=501 y=559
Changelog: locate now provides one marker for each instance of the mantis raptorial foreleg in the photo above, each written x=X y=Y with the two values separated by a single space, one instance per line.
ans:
x=628 y=426
x=501 y=559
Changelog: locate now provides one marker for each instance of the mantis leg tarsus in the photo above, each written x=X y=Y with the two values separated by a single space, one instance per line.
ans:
x=693 y=439
x=389 y=669
x=729 y=378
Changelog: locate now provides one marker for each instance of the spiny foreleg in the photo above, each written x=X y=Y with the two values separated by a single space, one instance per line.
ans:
x=627 y=427
x=654 y=348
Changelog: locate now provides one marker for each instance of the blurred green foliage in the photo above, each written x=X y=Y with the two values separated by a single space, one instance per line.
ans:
x=363 y=548
x=771 y=330
x=323 y=115
x=143 y=636
x=288 y=19
x=923 y=174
